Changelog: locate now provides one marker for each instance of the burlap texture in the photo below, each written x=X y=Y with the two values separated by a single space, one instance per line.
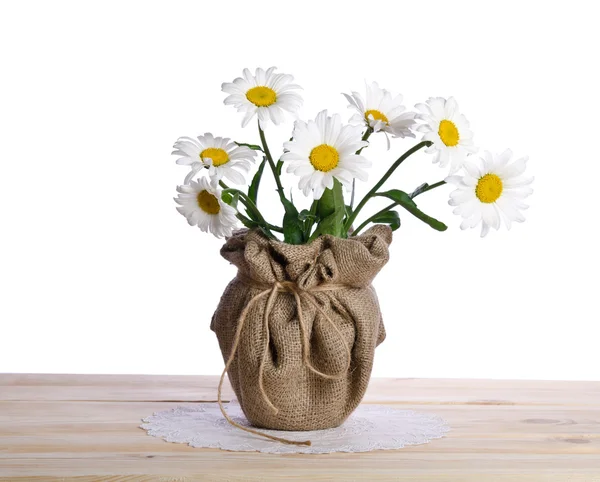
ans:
x=305 y=400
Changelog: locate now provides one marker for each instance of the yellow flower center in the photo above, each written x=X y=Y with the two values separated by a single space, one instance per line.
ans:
x=324 y=157
x=261 y=96
x=489 y=188
x=208 y=202
x=218 y=156
x=448 y=133
x=377 y=115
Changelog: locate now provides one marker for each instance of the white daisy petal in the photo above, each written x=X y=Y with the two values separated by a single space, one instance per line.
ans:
x=443 y=158
x=514 y=169
x=351 y=101
x=484 y=229
x=451 y=107
x=517 y=182
x=381 y=111
x=234 y=99
x=510 y=210
x=456 y=180
x=265 y=93
x=322 y=150
x=231 y=88
x=424 y=109
x=263 y=114
x=473 y=169
x=234 y=176
x=202 y=206
x=448 y=129
x=218 y=154
x=503 y=158
x=318 y=191
x=248 y=117
x=490 y=191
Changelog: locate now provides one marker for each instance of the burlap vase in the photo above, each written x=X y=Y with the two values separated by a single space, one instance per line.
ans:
x=302 y=323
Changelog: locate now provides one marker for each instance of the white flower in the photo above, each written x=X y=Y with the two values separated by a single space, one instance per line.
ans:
x=323 y=149
x=266 y=94
x=490 y=192
x=202 y=206
x=449 y=131
x=382 y=112
x=218 y=154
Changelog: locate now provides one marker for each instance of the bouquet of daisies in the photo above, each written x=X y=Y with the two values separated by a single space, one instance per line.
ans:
x=299 y=324
x=327 y=154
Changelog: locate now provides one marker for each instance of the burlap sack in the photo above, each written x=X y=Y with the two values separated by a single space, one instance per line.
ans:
x=283 y=380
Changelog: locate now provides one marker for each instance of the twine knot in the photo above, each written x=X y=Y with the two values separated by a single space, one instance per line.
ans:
x=299 y=294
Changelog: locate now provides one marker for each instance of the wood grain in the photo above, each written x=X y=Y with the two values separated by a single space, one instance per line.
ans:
x=85 y=428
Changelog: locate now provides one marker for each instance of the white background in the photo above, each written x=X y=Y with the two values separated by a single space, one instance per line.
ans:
x=100 y=274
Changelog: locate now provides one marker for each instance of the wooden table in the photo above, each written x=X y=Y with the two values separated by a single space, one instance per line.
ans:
x=85 y=428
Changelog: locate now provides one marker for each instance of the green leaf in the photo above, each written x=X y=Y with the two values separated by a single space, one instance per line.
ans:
x=308 y=219
x=331 y=210
x=330 y=225
x=419 y=190
x=231 y=199
x=400 y=197
x=252 y=215
x=235 y=200
x=409 y=204
x=248 y=223
x=254 y=185
x=254 y=147
x=279 y=167
x=389 y=217
x=306 y=215
x=227 y=197
x=292 y=226
x=348 y=212
x=252 y=225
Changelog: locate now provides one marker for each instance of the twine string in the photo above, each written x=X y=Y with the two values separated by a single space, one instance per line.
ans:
x=299 y=294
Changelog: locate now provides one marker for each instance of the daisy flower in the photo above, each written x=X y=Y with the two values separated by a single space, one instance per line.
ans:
x=323 y=149
x=491 y=192
x=201 y=204
x=222 y=157
x=449 y=131
x=265 y=94
x=381 y=112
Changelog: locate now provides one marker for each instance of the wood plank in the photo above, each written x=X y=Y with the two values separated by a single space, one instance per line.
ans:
x=87 y=433
x=345 y=467
x=523 y=433
x=14 y=387
x=25 y=418
x=553 y=477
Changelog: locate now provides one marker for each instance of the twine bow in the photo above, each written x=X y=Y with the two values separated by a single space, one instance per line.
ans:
x=272 y=292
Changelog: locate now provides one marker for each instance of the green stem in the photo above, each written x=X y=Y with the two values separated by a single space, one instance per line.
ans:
x=373 y=217
x=385 y=177
x=244 y=198
x=429 y=188
x=277 y=229
x=246 y=201
x=311 y=222
x=243 y=218
x=263 y=140
x=365 y=136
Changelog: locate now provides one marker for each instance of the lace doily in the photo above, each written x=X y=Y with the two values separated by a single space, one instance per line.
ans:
x=370 y=427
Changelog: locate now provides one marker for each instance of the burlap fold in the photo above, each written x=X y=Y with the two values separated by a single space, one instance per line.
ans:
x=307 y=363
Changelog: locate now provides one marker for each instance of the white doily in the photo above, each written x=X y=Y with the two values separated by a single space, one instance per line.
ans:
x=370 y=427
